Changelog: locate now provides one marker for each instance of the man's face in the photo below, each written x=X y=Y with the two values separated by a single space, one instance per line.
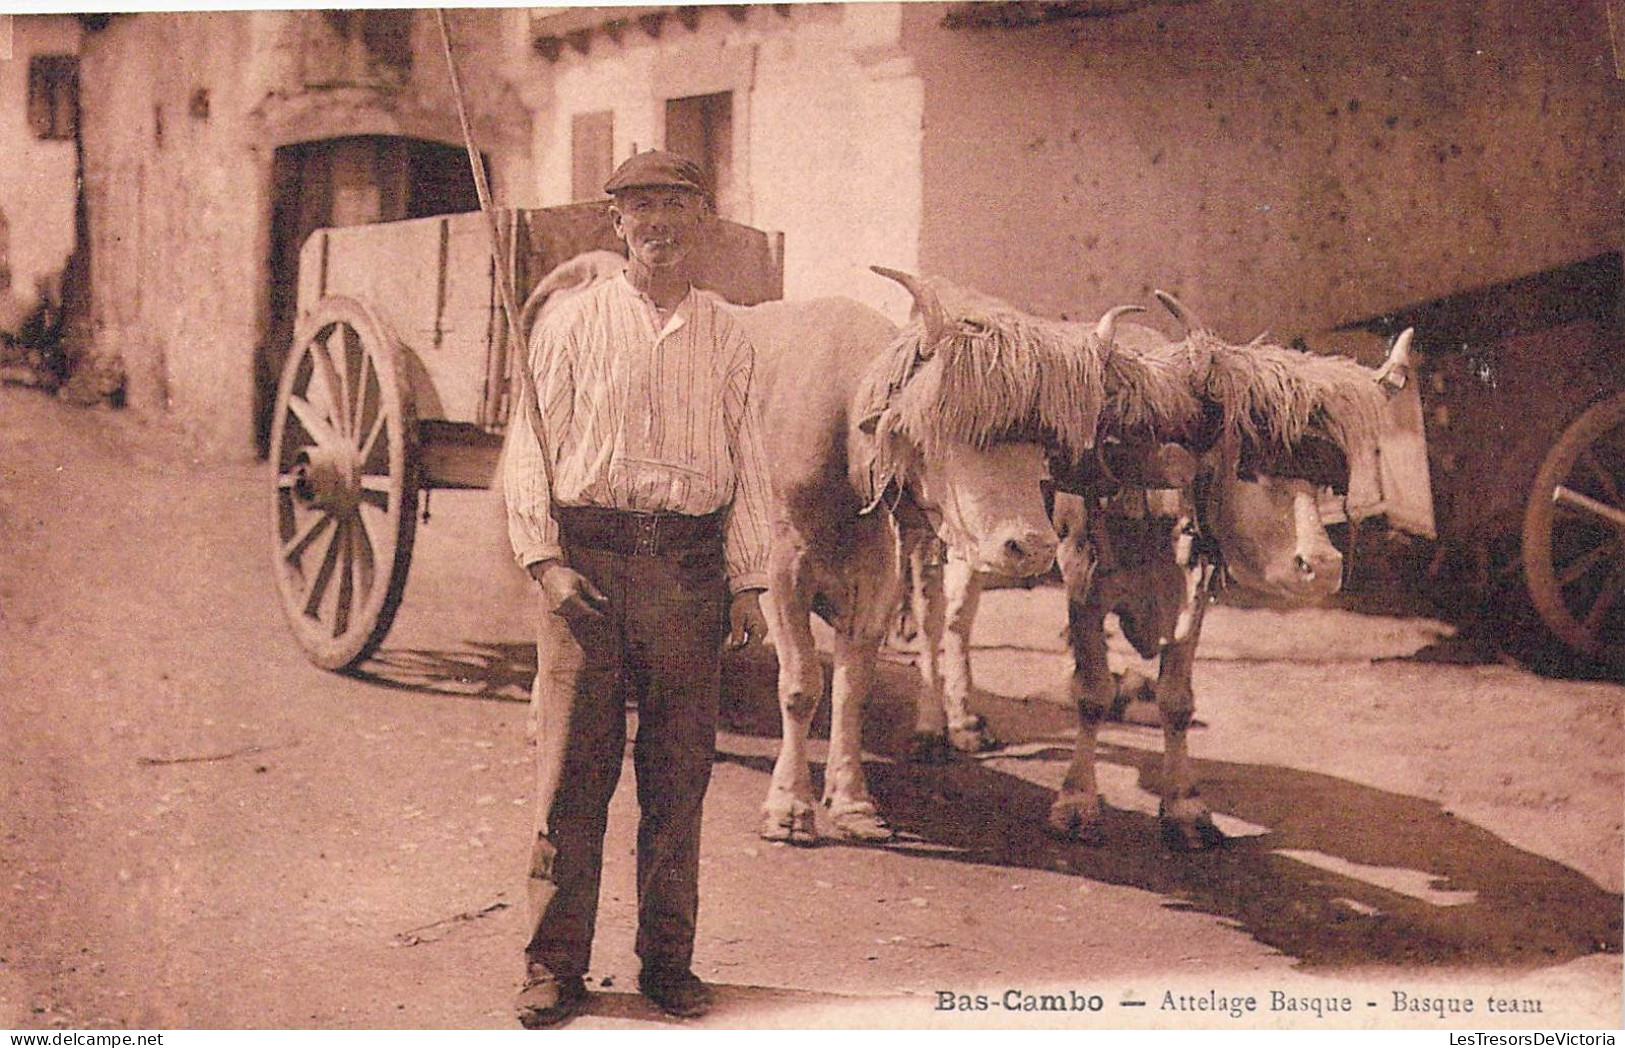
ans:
x=660 y=224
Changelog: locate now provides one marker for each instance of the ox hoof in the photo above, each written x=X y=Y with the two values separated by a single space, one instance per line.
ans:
x=1076 y=822
x=861 y=823
x=928 y=747
x=793 y=827
x=1196 y=835
x=973 y=737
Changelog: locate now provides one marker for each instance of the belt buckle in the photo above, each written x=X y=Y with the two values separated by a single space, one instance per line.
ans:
x=647 y=542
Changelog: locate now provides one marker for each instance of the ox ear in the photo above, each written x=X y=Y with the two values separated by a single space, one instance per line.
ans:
x=1396 y=370
x=927 y=306
x=1107 y=327
x=1188 y=319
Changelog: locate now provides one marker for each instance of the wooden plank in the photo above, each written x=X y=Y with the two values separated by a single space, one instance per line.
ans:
x=1407 y=488
x=743 y=265
x=395 y=269
x=457 y=455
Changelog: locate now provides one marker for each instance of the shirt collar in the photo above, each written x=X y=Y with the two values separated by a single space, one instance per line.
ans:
x=679 y=313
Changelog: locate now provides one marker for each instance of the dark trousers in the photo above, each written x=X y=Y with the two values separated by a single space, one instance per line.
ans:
x=658 y=644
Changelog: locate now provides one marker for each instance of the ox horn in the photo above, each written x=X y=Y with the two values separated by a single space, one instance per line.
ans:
x=1181 y=313
x=1396 y=370
x=1108 y=321
x=926 y=304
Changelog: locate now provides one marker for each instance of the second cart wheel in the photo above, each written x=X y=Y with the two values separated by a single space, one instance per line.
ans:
x=1574 y=534
x=344 y=513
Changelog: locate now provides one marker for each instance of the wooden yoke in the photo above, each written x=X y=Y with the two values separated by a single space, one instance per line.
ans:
x=1138 y=464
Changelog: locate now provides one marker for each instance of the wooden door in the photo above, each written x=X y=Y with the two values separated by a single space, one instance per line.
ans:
x=355 y=180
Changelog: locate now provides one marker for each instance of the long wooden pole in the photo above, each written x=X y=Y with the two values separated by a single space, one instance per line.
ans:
x=503 y=277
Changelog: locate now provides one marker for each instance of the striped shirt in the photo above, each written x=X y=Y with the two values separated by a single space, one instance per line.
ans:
x=641 y=418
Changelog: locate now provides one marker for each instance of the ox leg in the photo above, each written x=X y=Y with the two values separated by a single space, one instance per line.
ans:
x=1186 y=822
x=846 y=793
x=788 y=811
x=1076 y=812
x=962 y=589
x=926 y=605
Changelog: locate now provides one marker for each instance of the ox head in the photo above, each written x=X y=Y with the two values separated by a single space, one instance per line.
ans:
x=973 y=401
x=1287 y=422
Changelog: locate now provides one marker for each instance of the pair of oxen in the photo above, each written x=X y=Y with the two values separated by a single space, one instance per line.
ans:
x=1171 y=462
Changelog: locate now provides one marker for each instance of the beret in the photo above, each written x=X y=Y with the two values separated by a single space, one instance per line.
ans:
x=656 y=167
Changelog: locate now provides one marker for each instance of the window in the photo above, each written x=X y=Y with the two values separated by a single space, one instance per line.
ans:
x=53 y=96
x=701 y=128
x=592 y=153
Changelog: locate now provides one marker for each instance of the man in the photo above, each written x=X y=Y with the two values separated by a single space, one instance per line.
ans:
x=658 y=510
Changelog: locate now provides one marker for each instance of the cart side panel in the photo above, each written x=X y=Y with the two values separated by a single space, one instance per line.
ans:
x=743 y=265
x=429 y=281
x=1390 y=479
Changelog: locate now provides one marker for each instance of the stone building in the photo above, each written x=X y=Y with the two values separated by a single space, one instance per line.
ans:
x=1315 y=169
x=1303 y=167
x=215 y=142
x=38 y=130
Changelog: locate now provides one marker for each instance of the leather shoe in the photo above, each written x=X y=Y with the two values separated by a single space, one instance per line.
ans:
x=548 y=1000
x=675 y=991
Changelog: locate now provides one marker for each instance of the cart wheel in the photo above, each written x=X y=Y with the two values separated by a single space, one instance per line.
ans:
x=343 y=444
x=1574 y=534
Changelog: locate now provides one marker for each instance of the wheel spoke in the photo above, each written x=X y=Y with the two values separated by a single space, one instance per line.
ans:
x=324 y=575
x=1572 y=499
x=349 y=346
x=369 y=528
x=1605 y=599
x=295 y=547
x=371 y=443
x=1579 y=566
x=1610 y=485
x=358 y=417
x=346 y=597
x=323 y=377
x=365 y=559
x=337 y=386
x=318 y=428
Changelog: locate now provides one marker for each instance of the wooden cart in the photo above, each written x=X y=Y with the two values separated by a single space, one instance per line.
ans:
x=1574 y=533
x=1523 y=391
x=402 y=378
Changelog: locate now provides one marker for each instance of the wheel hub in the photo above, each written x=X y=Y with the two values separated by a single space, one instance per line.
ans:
x=327 y=480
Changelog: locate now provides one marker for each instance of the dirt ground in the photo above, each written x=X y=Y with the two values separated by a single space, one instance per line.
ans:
x=201 y=830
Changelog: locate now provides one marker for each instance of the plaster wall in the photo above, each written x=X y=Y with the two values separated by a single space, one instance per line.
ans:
x=1280 y=165
x=37 y=180
x=175 y=198
x=183 y=112
x=826 y=129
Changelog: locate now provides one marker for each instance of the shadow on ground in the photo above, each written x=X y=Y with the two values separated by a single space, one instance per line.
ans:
x=1528 y=911
x=476 y=670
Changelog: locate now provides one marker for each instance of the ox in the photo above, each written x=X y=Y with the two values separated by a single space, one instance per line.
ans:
x=1236 y=498
x=877 y=441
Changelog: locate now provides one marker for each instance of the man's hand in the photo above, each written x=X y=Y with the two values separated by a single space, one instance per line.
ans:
x=568 y=591
x=745 y=620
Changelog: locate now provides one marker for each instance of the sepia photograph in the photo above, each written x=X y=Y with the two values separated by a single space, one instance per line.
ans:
x=1092 y=515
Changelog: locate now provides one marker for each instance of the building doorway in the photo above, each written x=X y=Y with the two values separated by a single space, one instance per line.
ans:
x=347 y=181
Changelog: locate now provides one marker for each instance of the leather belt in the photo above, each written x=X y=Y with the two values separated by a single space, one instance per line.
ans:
x=631 y=533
